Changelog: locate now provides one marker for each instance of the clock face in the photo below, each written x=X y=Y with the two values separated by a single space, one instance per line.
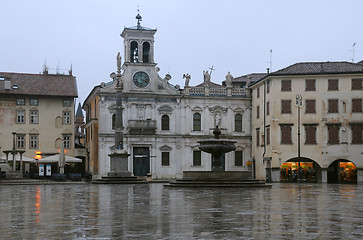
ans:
x=141 y=79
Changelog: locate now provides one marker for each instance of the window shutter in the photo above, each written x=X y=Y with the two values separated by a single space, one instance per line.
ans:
x=356 y=105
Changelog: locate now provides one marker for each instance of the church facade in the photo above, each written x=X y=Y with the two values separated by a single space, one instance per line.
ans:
x=163 y=123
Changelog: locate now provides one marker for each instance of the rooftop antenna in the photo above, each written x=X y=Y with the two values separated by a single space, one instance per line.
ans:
x=270 y=60
x=211 y=69
x=353 y=52
x=57 y=69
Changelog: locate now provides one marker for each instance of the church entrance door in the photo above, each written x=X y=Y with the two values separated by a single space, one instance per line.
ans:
x=141 y=161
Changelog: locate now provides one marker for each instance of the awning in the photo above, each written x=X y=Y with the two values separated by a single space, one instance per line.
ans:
x=17 y=158
x=55 y=158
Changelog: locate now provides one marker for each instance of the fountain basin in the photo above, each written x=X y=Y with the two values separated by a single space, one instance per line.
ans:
x=217 y=147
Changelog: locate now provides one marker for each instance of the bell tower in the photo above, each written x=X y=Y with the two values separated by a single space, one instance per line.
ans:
x=138 y=44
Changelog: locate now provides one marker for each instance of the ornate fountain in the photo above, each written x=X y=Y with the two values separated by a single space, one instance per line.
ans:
x=217 y=147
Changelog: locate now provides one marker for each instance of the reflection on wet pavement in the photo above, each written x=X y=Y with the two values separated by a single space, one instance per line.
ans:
x=285 y=211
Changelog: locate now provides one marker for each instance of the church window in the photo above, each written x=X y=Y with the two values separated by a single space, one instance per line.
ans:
x=197 y=122
x=165 y=158
x=197 y=158
x=113 y=121
x=238 y=122
x=165 y=122
x=145 y=52
x=238 y=158
x=134 y=55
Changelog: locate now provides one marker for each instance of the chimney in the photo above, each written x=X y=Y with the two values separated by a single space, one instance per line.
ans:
x=268 y=70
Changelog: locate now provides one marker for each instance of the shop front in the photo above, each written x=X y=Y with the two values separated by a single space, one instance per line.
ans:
x=342 y=171
x=309 y=171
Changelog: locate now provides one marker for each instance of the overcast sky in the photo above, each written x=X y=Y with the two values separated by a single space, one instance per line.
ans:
x=192 y=36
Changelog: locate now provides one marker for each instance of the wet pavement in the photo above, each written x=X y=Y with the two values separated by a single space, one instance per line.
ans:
x=151 y=211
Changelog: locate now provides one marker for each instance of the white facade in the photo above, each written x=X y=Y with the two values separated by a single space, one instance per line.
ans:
x=164 y=148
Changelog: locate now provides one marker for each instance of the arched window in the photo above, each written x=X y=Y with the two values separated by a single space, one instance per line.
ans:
x=197 y=123
x=113 y=121
x=238 y=122
x=165 y=122
x=145 y=52
x=134 y=55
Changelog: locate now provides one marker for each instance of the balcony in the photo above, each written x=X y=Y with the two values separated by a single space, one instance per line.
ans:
x=142 y=127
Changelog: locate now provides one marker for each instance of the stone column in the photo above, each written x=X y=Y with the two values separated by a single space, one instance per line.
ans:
x=324 y=175
x=359 y=175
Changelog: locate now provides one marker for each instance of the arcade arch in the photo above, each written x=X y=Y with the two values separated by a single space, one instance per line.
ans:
x=342 y=171
x=310 y=171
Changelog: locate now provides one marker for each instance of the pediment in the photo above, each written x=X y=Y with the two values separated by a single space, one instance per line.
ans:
x=218 y=108
x=165 y=109
x=165 y=148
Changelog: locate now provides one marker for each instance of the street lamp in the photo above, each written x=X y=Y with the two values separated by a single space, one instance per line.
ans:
x=299 y=105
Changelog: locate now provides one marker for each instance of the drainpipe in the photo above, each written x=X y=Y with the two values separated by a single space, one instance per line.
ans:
x=264 y=120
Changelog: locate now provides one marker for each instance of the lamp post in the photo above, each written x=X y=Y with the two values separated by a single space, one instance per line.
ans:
x=299 y=105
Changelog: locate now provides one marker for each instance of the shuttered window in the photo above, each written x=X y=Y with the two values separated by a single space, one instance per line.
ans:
x=356 y=84
x=310 y=85
x=285 y=85
x=285 y=106
x=258 y=112
x=333 y=84
x=333 y=134
x=357 y=130
x=310 y=134
x=267 y=135
x=257 y=137
x=268 y=108
x=286 y=134
x=332 y=105
x=258 y=92
x=356 y=105
x=310 y=106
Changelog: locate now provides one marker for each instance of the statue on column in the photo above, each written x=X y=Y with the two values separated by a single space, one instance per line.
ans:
x=187 y=79
x=229 y=79
x=118 y=62
x=206 y=78
x=217 y=119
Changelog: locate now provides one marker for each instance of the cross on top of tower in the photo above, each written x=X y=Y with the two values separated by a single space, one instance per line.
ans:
x=138 y=17
x=211 y=69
